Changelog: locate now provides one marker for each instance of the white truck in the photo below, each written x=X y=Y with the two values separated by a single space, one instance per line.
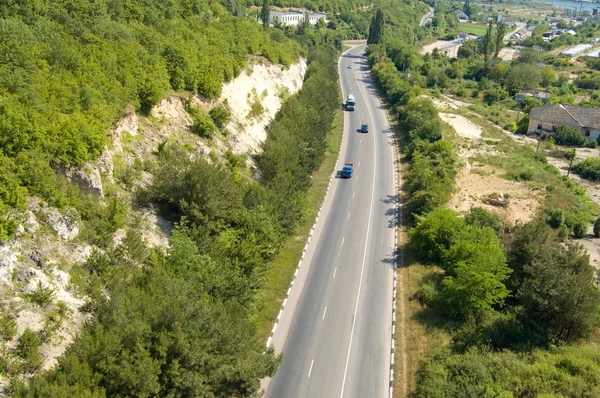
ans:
x=350 y=103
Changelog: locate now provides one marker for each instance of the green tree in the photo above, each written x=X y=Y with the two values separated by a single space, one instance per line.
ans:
x=376 y=30
x=548 y=76
x=265 y=14
x=500 y=33
x=488 y=43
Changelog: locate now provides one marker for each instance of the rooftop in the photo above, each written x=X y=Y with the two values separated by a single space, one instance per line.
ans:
x=567 y=115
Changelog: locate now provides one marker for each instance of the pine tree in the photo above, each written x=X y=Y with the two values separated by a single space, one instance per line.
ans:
x=265 y=13
x=376 y=28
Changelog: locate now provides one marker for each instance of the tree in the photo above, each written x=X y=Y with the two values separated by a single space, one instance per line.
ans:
x=488 y=42
x=376 y=30
x=265 y=14
x=522 y=77
x=500 y=32
x=548 y=76
x=554 y=284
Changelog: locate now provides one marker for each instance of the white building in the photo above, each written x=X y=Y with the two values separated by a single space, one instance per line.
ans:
x=578 y=49
x=295 y=17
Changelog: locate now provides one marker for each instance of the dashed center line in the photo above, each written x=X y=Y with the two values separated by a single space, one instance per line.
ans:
x=324 y=312
x=359 y=151
x=310 y=370
x=353 y=193
x=348 y=215
x=359 y=163
x=343 y=239
x=334 y=272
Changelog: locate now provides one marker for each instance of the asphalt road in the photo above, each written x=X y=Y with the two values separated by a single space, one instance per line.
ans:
x=336 y=332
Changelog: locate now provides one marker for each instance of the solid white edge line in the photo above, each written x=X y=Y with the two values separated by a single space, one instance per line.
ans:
x=311 y=365
x=324 y=312
x=334 y=272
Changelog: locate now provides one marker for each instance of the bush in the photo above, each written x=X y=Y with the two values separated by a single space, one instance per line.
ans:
x=28 y=349
x=8 y=327
x=580 y=229
x=597 y=228
x=570 y=137
x=563 y=233
x=202 y=123
x=588 y=168
x=220 y=115
x=556 y=218
x=426 y=295
x=41 y=295
x=480 y=217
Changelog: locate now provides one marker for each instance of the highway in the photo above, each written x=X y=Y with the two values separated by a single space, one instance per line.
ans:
x=335 y=331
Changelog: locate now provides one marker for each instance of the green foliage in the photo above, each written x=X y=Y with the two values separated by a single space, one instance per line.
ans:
x=554 y=285
x=202 y=123
x=8 y=327
x=556 y=218
x=588 y=168
x=28 y=349
x=564 y=135
x=565 y=372
x=480 y=217
x=376 y=30
x=597 y=228
x=220 y=115
x=42 y=295
x=580 y=228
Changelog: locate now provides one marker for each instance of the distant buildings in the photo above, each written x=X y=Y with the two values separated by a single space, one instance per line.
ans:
x=462 y=17
x=538 y=94
x=549 y=117
x=572 y=51
x=293 y=17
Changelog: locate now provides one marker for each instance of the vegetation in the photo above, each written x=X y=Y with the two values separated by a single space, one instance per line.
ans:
x=588 y=168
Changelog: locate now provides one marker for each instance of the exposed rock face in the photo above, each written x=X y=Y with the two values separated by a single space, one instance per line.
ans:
x=66 y=225
x=87 y=179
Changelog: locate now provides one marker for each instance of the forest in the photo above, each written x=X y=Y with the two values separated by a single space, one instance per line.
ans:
x=179 y=322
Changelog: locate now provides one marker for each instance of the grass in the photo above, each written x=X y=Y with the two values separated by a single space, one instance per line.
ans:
x=282 y=268
x=473 y=29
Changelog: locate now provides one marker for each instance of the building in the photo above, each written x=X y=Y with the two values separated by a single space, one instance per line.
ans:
x=537 y=94
x=462 y=17
x=572 y=51
x=295 y=17
x=549 y=117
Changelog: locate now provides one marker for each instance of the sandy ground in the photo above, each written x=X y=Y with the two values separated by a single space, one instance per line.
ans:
x=476 y=182
x=450 y=48
x=508 y=54
x=463 y=126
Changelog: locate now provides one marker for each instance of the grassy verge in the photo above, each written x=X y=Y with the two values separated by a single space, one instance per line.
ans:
x=281 y=269
x=473 y=29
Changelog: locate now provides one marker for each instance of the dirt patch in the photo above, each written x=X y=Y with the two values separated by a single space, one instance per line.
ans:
x=463 y=126
x=477 y=185
x=508 y=54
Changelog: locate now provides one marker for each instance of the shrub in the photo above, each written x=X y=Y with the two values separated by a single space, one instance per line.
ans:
x=563 y=233
x=426 y=295
x=540 y=157
x=588 y=168
x=8 y=327
x=556 y=218
x=41 y=295
x=580 y=229
x=203 y=125
x=220 y=115
x=480 y=217
x=28 y=350
x=597 y=228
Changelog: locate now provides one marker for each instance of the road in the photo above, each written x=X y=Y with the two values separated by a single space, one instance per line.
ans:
x=335 y=331
x=427 y=17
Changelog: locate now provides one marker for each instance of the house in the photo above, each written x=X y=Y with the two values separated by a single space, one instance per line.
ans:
x=463 y=35
x=293 y=17
x=462 y=17
x=509 y=22
x=516 y=36
x=538 y=94
x=549 y=117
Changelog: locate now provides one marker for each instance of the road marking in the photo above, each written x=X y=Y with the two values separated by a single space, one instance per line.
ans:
x=356 y=178
x=359 y=163
x=362 y=269
x=334 y=272
x=343 y=239
x=359 y=151
x=353 y=193
x=310 y=370
x=348 y=215
x=324 y=312
x=360 y=141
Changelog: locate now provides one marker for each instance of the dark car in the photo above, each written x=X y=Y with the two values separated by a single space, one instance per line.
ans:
x=364 y=128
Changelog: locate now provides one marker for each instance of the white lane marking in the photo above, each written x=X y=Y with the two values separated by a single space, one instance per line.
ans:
x=348 y=215
x=310 y=370
x=356 y=178
x=334 y=272
x=359 y=163
x=353 y=193
x=324 y=312
x=360 y=141
x=343 y=239
x=359 y=151
x=362 y=269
